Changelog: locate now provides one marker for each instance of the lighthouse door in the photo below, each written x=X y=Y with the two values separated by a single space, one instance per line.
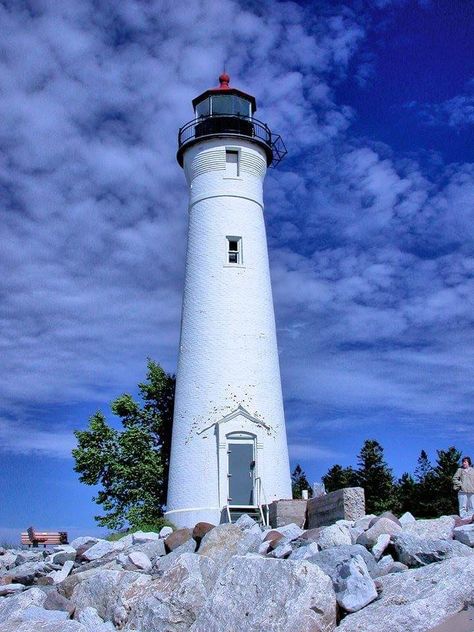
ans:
x=241 y=473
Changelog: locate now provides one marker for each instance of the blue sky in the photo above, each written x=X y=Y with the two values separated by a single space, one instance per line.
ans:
x=369 y=220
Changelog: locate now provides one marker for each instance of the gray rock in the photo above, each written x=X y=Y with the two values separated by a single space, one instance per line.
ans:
x=83 y=541
x=62 y=554
x=227 y=540
x=37 y=613
x=329 y=559
x=389 y=515
x=304 y=552
x=60 y=576
x=436 y=529
x=416 y=600
x=25 y=573
x=290 y=531
x=55 y=601
x=265 y=547
x=385 y=565
x=92 y=622
x=382 y=525
x=8 y=559
x=354 y=586
x=165 y=532
x=140 y=560
x=101 y=549
x=153 y=549
x=465 y=534
x=346 y=504
x=282 y=512
x=163 y=564
x=282 y=550
x=12 y=607
x=104 y=590
x=245 y=522
x=256 y=593
x=364 y=522
x=334 y=535
x=379 y=547
x=140 y=537
x=17 y=625
x=414 y=551
x=11 y=589
x=172 y=601
x=407 y=518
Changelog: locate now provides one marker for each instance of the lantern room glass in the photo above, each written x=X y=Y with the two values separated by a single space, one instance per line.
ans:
x=224 y=104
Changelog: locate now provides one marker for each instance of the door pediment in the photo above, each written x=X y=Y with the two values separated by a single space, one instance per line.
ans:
x=245 y=417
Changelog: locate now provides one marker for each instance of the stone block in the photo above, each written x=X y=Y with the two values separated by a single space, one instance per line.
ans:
x=343 y=504
x=283 y=512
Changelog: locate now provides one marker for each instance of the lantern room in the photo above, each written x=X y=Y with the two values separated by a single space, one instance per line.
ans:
x=226 y=111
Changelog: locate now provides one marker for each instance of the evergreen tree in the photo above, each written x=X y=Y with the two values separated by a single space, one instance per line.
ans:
x=425 y=491
x=131 y=465
x=376 y=478
x=338 y=477
x=445 y=502
x=406 y=489
x=299 y=482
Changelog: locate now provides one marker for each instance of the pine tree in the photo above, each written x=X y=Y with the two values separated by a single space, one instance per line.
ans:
x=446 y=502
x=406 y=489
x=338 y=477
x=376 y=478
x=425 y=491
x=299 y=482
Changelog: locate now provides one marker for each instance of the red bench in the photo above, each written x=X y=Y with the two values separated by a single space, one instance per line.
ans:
x=30 y=537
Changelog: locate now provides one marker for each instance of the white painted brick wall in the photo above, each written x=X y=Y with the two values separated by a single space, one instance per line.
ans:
x=228 y=349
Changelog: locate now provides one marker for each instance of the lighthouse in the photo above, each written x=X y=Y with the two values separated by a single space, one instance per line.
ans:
x=229 y=451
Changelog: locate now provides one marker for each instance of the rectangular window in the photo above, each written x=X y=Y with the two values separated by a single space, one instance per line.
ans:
x=234 y=250
x=231 y=163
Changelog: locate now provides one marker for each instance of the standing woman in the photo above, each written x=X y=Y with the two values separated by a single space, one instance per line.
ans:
x=463 y=482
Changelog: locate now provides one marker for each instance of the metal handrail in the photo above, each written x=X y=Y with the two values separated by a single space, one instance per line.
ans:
x=234 y=125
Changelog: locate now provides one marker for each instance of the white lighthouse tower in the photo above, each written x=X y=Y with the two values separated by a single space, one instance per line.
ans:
x=229 y=451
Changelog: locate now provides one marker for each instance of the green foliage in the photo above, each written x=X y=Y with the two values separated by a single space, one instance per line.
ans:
x=376 y=478
x=338 y=477
x=427 y=493
x=299 y=482
x=447 y=463
x=130 y=465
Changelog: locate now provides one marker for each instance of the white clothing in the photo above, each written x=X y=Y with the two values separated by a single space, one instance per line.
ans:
x=466 y=504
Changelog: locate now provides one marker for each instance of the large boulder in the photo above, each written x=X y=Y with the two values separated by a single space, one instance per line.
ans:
x=334 y=535
x=105 y=590
x=25 y=573
x=465 y=534
x=329 y=559
x=354 y=586
x=414 y=551
x=434 y=529
x=177 y=538
x=256 y=593
x=416 y=600
x=13 y=607
x=381 y=525
x=173 y=601
x=163 y=564
x=101 y=549
x=227 y=540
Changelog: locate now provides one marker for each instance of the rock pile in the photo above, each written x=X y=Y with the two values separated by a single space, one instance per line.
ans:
x=377 y=573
